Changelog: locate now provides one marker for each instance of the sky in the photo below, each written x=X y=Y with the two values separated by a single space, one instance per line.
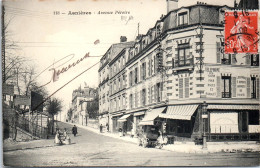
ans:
x=46 y=37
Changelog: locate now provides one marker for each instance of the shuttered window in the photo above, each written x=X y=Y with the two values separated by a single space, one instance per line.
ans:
x=136 y=99
x=181 y=88
x=218 y=52
x=248 y=59
x=218 y=86
x=257 y=87
x=248 y=87
x=234 y=88
x=187 y=88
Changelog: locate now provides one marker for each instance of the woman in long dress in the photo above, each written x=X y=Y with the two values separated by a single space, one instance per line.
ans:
x=57 y=138
x=66 y=136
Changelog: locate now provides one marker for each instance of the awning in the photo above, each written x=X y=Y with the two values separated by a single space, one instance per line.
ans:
x=123 y=118
x=180 y=112
x=233 y=107
x=139 y=113
x=151 y=115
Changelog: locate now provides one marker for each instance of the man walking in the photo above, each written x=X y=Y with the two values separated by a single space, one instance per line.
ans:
x=74 y=130
x=100 y=128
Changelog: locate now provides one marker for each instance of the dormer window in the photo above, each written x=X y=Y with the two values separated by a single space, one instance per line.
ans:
x=183 y=18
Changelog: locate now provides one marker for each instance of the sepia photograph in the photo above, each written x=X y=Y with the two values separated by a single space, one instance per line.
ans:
x=137 y=83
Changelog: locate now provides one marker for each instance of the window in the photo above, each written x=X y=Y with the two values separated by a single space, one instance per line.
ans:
x=143 y=97
x=226 y=59
x=130 y=78
x=158 y=92
x=183 y=18
x=184 y=55
x=226 y=87
x=119 y=84
x=253 y=86
x=131 y=101
x=143 y=70
x=255 y=60
x=253 y=118
x=150 y=67
x=136 y=74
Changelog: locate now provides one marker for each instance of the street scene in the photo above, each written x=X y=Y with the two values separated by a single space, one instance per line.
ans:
x=96 y=83
x=89 y=148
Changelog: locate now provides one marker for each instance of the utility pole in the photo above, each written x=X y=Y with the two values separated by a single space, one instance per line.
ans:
x=138 y=30
x=3 y=44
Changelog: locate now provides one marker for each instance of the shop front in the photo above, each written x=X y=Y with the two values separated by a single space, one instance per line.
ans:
x=233 y=123
x=180 y=120
x=125 y=122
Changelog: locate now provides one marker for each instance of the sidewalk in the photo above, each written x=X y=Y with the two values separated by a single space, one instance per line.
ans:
x=10 y=145
x=190 y=147
x=109 y=134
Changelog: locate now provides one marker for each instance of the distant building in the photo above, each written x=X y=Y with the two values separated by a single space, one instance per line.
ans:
x=80 y=97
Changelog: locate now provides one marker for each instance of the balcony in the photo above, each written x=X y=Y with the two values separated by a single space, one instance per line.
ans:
x=226 y=95
x=180 y=65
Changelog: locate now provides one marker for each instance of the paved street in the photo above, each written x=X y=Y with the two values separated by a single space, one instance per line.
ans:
x=91 y=149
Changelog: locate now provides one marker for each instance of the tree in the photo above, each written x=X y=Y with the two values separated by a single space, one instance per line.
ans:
x=54 y=106
x=92 y=108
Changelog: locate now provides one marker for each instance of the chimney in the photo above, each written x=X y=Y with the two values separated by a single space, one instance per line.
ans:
x=171 y=5
x=123 y=39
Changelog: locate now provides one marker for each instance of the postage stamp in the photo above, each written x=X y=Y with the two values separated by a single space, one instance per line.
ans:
x=241 y=32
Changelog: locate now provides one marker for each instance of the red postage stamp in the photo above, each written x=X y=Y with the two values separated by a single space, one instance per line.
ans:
x=241 y=32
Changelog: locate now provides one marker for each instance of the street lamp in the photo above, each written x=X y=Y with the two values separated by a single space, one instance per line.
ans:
x=204 y=117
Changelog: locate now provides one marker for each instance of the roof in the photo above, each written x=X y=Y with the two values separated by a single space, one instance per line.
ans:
x=248 y=4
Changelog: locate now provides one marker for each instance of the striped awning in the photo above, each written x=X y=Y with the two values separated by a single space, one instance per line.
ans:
x=232 y=107
x=180 y=112
x=151 y=115
x=123 y=118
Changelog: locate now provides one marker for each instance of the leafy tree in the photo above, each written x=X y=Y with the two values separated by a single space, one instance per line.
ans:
x=54 y=106
x=92 y=108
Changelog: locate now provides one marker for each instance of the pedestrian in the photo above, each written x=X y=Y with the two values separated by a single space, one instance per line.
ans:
x=120 y=131
x=67 y=140
x=74 y=130
x=57 y=139
x=107 y=127
x=100 y=128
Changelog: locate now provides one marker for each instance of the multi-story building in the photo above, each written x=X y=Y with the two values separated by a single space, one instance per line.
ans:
x=178 y=74
x=110 y=65
x=80 y=98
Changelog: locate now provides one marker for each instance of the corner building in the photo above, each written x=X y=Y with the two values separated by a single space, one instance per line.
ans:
x=177 y=74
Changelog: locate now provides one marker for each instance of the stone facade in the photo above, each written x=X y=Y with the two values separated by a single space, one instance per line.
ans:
x=180 y=64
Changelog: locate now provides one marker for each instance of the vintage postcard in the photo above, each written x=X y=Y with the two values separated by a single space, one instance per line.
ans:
x=130 y=83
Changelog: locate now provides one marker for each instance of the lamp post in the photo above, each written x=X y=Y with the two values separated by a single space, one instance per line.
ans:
x=204 y=117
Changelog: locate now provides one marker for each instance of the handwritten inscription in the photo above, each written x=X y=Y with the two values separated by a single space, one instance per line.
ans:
x=56 y=73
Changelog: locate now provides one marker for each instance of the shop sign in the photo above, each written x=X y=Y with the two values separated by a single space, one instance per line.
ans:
x=241 y=87
x=211 y=84
x=22 y=100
